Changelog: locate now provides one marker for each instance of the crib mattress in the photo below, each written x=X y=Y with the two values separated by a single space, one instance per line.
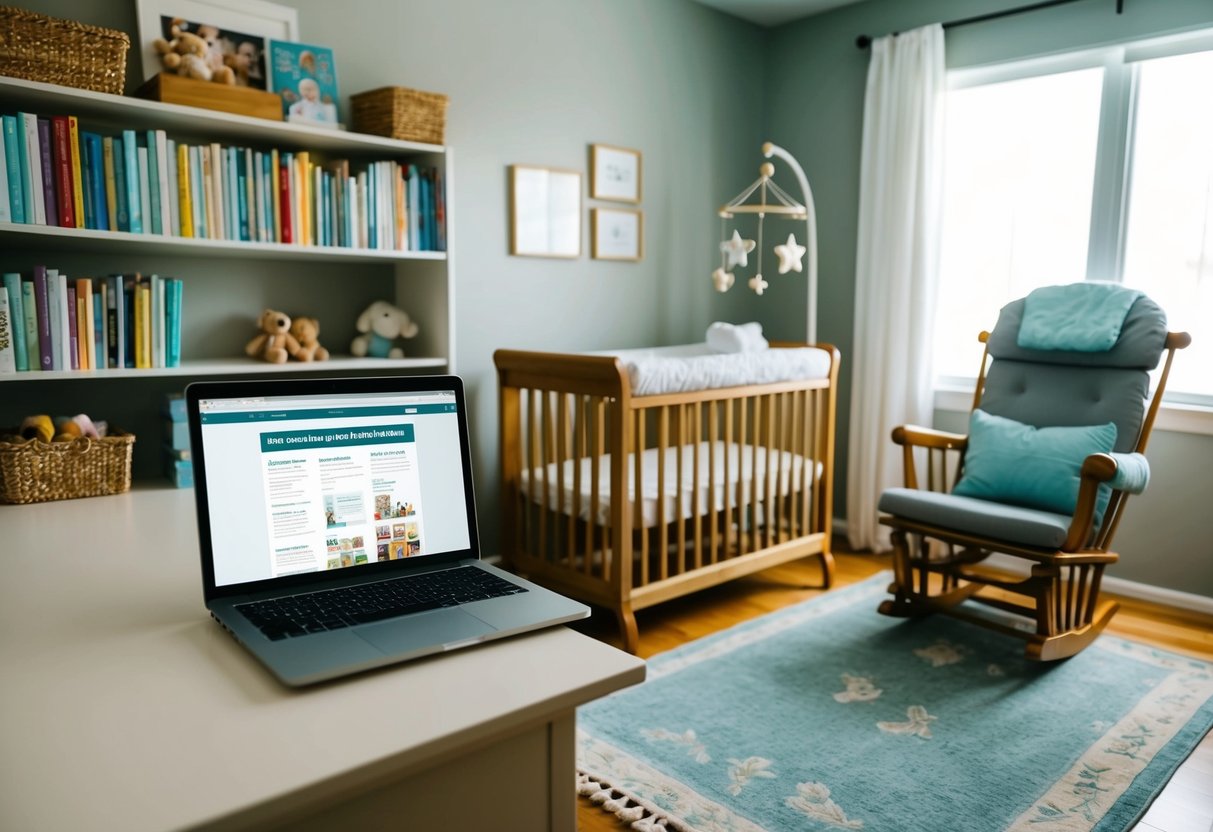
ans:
x=784 y=479
x=687 y=367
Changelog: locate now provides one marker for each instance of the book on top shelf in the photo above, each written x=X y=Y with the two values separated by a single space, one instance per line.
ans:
x=305 y=78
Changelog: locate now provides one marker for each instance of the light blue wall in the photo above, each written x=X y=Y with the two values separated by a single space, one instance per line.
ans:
x=815 y=80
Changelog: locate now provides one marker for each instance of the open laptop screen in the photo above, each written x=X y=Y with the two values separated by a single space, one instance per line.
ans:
x=331 y=481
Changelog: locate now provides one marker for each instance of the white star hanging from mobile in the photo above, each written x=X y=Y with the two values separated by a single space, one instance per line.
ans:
x=789 y=255
x=758 y=284
x=736 y=250
x=723 y=280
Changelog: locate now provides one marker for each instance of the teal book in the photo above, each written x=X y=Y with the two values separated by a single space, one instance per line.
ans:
x=120 y=204
x=172 y=305
x=16 y=311
x=130 y=160
x=13 y=155
x=96 y=180
x=29 y=308
x=154 y=223
x=27 y=173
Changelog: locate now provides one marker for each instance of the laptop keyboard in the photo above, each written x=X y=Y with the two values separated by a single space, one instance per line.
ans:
x=333 y=609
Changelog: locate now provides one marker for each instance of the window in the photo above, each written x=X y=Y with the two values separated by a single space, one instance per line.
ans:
x=1095 y=166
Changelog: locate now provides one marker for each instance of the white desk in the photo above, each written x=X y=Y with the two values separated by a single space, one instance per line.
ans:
x=124 y=706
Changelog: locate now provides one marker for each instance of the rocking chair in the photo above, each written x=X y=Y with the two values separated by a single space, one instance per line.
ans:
x=1011 y=490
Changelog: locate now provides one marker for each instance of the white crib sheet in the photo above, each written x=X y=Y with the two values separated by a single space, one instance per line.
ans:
x=786 y=468
x=687 y=367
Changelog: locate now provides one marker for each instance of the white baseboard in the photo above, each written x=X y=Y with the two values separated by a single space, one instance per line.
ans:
x=1120 y=586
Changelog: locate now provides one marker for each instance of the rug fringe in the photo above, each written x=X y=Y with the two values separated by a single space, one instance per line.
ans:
x=624 y=806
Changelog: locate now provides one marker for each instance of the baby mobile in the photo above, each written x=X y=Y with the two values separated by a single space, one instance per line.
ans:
x=764 y=197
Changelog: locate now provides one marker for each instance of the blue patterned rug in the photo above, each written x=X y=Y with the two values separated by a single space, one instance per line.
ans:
x=828 y=716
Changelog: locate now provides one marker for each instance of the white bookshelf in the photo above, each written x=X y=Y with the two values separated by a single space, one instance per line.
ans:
x=224 y=278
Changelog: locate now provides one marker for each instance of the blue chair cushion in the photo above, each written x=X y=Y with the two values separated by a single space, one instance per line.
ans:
x=1011 y=524
x=1010 y=462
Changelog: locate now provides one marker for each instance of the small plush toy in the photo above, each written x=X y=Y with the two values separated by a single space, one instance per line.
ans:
x=383 y=324
x=307 y=333
x=186 y=54
x=275 y=342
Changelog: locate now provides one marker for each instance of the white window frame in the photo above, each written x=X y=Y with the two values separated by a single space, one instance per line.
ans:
x=1180 y=412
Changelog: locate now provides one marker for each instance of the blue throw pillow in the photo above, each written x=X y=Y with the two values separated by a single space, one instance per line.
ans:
x=1010 y=462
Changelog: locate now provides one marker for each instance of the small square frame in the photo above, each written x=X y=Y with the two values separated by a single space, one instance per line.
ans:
x=545 y=211
x=615 y=173
x=617 y=234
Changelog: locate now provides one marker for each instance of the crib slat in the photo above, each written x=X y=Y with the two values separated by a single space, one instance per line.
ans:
x=680 y=521
x=579 y=453
x=781 y=494
x=638 y=507
x=562 y=454
x=728 y=470
x=545 y=455
x=743 y=406
x=663 y=427
x=697 y=519
x=755 y=496
x=603 y=415
x=769 y=481
x=796 y=487
x=713 y=435
x=813 y=502
x=591 y=526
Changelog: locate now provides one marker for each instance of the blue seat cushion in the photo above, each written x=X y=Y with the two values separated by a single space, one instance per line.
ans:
x=984 y=518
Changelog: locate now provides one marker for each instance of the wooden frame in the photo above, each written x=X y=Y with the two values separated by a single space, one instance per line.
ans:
x=545 y=211
x=617 y=234
x=252 y=17
x=615 y=173
x=764 y=452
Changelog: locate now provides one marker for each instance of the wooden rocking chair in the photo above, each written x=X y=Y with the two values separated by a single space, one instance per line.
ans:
x=939 y=536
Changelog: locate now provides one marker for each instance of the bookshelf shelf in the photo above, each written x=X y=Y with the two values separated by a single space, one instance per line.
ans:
x=227 y=282
x=240 y=366
x=19 y=235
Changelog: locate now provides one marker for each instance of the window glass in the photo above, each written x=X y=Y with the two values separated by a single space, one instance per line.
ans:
x=1169 y=232
x=1019 y=171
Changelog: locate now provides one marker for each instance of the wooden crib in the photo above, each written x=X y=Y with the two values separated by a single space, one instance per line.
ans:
x=626 y=501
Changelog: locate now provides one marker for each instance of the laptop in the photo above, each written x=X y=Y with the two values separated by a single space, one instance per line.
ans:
x=337 y=525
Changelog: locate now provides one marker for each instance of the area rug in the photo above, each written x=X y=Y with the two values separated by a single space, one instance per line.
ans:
x=827 y=716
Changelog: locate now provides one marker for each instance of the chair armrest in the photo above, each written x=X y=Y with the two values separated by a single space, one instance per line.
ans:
x=1129 y=473
x=921 y=437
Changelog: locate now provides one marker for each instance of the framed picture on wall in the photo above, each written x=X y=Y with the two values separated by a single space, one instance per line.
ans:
x=614 y=173
x=545 y=211
x=235 y=31
x=617 y=234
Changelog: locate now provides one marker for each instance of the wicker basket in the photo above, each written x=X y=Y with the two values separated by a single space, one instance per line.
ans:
x=401 y=113
x=40 y=48
x=32 y=471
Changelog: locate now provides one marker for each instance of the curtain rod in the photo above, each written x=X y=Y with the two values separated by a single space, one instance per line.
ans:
x=864 y=41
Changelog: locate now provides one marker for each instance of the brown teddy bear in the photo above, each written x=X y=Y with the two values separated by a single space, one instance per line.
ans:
x=275 y=342
x=186 y=54
x=307 y=332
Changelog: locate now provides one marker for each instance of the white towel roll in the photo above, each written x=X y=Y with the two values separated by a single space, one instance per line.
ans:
x=728 y=338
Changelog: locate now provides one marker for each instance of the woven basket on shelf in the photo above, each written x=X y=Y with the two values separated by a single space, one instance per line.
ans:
x=401 y=113
x=54 y=51
x=32 y=471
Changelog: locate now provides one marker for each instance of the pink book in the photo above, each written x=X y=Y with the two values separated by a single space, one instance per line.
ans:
x=73 y=344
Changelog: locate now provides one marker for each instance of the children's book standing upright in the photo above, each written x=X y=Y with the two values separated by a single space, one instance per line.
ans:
x=305 y=78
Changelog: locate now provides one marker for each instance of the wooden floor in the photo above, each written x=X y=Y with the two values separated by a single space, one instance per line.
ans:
x=1185 y=805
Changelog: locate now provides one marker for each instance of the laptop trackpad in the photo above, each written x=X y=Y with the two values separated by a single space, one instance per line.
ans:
x=428 y=629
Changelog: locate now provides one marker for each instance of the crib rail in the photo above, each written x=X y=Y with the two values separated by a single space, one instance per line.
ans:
x=615 y=498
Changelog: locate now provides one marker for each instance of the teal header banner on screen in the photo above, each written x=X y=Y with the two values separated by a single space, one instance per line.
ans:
x=296 y=440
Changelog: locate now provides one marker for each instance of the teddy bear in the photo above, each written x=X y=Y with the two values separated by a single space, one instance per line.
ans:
x=275 y=342
x=307 y=332
x=186 y=54
x=383 y=324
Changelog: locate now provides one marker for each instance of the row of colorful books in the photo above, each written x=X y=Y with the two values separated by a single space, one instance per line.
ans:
x=54 y=173
x=51 y=322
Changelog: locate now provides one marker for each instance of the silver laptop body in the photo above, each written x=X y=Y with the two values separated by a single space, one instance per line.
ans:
x=327 y=511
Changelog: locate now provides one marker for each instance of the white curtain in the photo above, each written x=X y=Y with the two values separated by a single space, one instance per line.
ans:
x=895 y=266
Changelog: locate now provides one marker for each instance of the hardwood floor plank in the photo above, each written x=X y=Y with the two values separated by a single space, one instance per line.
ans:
x=676 y=622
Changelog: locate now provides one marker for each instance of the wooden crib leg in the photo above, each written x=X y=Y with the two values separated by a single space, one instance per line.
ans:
x=827 y=570
x=628 y=631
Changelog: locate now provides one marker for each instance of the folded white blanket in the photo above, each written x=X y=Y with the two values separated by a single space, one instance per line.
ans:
x=725 y=337
x=686 y=367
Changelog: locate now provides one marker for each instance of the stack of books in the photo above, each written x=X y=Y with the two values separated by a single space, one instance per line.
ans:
x=88 y=323
x=54 y=173
x=178 y=466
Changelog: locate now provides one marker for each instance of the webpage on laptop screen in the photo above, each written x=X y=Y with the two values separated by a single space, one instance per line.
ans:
x=306 y=484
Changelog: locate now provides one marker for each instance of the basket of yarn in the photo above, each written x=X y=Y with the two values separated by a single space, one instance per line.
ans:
x=48 y=460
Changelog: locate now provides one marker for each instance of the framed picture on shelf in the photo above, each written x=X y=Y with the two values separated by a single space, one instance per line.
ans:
x=545 y=211
x=236 y=33
x=614 y=173
x=617 y=234
x=305 y=78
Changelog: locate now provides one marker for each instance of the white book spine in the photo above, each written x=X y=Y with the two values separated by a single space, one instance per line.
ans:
x=34 y=159
x=6 y=209
x=157 y=319
x=56 y=320
x=8 y=352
